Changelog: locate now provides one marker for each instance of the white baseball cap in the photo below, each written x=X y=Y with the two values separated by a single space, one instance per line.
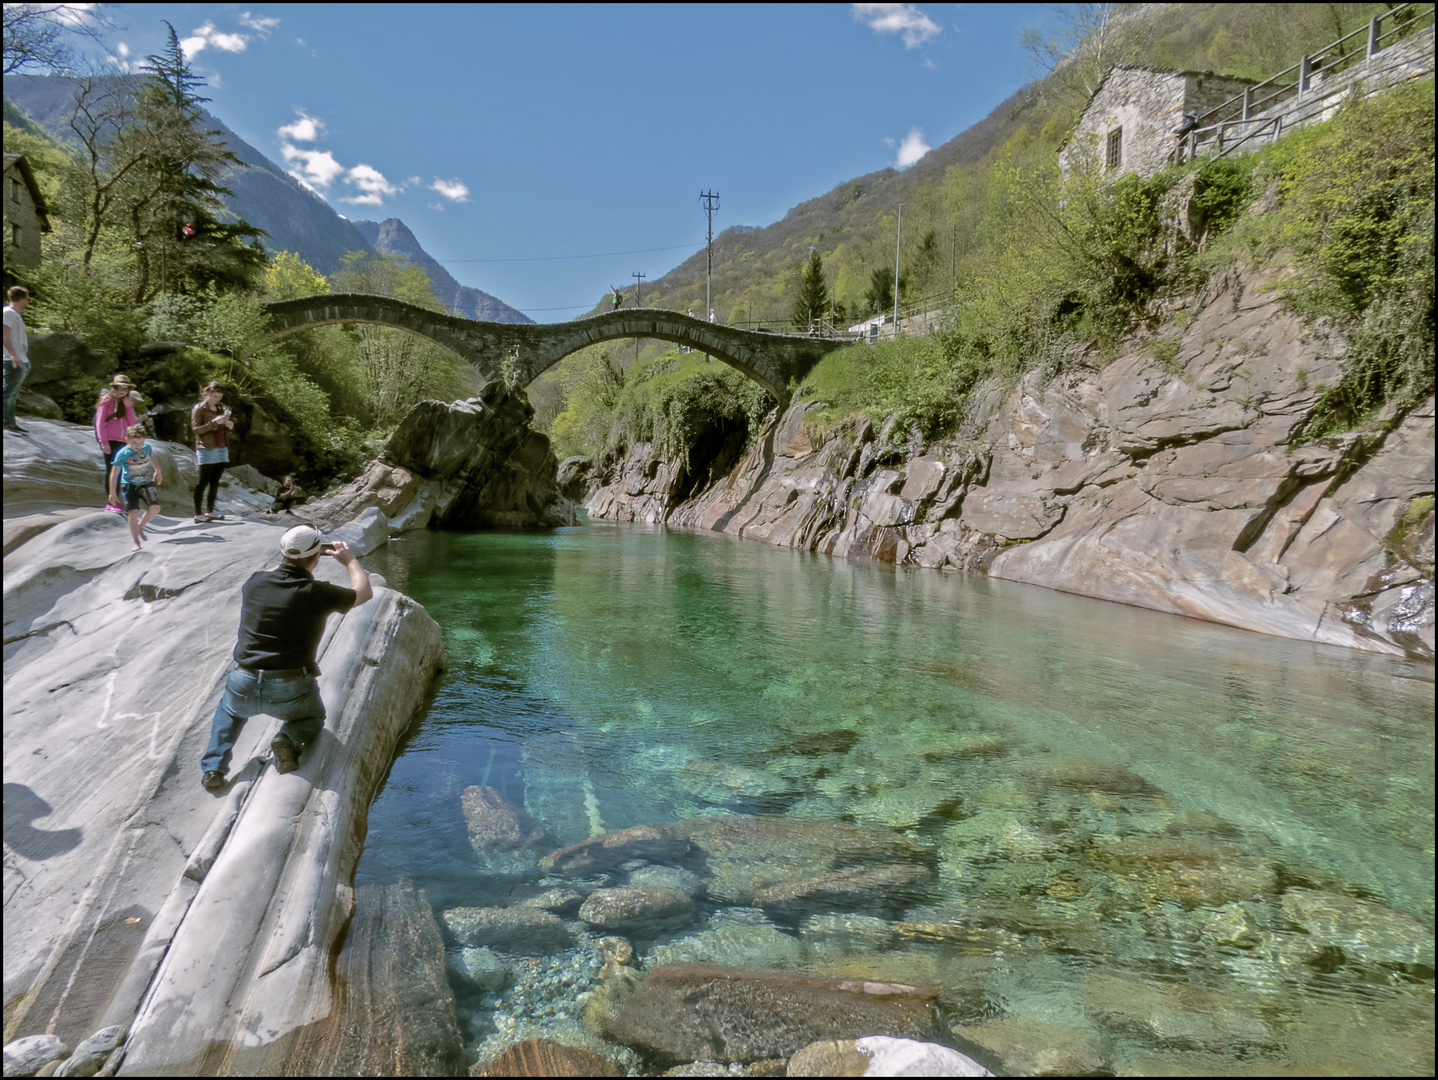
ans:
x=301 y=542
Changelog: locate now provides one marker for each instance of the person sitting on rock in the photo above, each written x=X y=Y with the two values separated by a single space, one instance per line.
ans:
x=291 y=494
x=135 y=481
x=119 y=409
x=282 y=615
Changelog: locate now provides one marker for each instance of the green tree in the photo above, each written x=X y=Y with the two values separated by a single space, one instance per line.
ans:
x=813 y=298
x=175 y=211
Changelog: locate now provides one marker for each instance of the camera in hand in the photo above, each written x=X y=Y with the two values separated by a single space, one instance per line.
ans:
x=328 y=549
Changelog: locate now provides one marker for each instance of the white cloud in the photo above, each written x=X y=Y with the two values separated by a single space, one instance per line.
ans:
x=208 y=37
x=905 y=19
x=374 y=188
x=912 y=148
x=454 y=190
x=260 y=23
x=929 y=63
x=304 y=129
x=317 y=168
x=122 y=49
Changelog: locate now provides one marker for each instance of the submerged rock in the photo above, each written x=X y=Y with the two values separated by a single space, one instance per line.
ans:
x=1032 y=1048
x=495 y=824
x=735 y=937
x=745 y=853
x=520 y=929
x=643 y=910
x=684 y=1012
x=1365 y=931
x=857 y=888
x=612 y=849
x=545 y=1057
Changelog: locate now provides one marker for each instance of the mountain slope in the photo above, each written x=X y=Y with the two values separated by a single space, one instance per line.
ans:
x=392 y=237
x=266 y=196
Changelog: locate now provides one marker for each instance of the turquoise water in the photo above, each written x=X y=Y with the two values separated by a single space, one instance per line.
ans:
x=1152 y=843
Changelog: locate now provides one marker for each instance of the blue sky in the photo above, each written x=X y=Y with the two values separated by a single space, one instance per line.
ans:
x=500 y=132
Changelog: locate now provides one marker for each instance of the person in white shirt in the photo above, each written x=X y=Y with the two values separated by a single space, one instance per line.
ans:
x=17 y=353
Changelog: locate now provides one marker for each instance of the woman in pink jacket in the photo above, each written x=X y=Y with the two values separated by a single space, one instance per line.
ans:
x=118 y=408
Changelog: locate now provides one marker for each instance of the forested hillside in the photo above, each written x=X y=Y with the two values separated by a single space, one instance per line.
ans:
x=1033 y=271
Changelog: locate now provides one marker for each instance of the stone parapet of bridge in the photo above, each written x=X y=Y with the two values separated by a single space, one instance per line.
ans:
x=774 y=361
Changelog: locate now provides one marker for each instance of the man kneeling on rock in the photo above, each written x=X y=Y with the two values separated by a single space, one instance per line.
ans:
x=282 y=615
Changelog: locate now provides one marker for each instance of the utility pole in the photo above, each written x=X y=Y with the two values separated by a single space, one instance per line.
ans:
x=638 y=302
x=898 y=238
x=711 y=203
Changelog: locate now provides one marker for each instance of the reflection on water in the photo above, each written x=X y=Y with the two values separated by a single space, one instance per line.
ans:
x=1142 y=842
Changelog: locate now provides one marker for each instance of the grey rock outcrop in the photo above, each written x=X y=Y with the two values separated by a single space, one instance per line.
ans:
x=467 y=464
x=1180 y=488
x=196 y=922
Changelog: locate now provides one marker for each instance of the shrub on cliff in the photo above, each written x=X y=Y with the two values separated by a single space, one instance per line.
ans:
x=1357 y=219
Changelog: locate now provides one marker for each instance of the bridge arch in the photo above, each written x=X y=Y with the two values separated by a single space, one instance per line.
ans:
x=771 y=360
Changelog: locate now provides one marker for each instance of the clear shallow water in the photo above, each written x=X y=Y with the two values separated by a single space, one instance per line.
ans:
x=1157 y=844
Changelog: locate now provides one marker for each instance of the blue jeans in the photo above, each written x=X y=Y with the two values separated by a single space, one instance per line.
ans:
x=14 y=377
x=296 y=701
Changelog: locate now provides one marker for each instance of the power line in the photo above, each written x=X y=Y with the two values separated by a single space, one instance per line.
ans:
x=558 y=258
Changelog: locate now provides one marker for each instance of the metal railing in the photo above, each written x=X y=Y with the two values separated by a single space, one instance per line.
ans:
x=1297 y=84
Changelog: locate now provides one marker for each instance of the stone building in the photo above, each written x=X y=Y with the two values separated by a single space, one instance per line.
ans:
x=1127 y=126
x=26 y=217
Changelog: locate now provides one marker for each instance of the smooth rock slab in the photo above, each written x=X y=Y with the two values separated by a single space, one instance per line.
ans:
x=879 y=1055
x=685 y=1012
x=27 y=1056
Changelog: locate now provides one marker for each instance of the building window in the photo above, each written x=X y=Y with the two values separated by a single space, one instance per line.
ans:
x=1115 y=148
x=14 y=234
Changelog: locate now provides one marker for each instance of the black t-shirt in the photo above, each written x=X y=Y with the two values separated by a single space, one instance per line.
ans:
x=282 y=615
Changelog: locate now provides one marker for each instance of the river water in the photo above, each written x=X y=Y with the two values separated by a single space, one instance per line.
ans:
x=1148 y=844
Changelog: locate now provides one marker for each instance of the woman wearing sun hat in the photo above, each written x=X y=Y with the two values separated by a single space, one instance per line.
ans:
x=118 y=410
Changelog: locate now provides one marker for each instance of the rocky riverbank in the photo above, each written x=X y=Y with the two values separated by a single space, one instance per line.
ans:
x=1169 y=478
x=203 y=930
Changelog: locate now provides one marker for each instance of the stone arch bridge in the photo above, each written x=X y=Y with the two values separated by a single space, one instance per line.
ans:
x=774 y=361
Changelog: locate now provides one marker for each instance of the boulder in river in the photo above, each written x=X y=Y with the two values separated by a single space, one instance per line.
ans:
x=545 y=1057
x=459 y=465
x=609 y=850
x=642 y=910
x=687 y=1012
x=496 y=824
x=879 y=1055
x=513 y=929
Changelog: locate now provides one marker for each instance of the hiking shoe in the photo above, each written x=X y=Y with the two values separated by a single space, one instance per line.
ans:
x=112 y=508
x=287 y=758
x=213 y=781
x=215 y=517
x=200 y=519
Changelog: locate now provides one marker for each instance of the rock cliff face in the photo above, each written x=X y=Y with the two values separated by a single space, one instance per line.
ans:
x=1177 y=487
x=468 y=464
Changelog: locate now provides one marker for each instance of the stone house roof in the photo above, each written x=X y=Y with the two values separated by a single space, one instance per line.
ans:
x=23 y=168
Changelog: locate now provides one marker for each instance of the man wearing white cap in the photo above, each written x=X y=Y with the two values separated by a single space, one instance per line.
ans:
x=282 y=615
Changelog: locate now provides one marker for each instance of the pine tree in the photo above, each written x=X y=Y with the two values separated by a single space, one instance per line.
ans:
x=813 y=296
x=174 y=206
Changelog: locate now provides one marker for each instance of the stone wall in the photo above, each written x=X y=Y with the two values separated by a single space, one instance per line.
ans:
x=1146 y=105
